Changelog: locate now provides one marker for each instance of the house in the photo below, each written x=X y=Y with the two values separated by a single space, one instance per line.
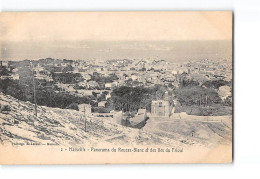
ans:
x=108 y=85
x=134 y=77
x=99 y=95
x=108 y=96
x=42 y=74
x=70 y=88
x=3 y=77
x=141 y=111
x=86 y=76
x=121 y=76
x=85 y=92
x=85 y=108
x=4 y=63
x=114 y=84
x=82 y=83
x=63 y=64
x=142 y=78
x=15 y=76
x=154 y=76
x=174 y=72
x=38 y=68
x=92 y=84
x=139 y=117
x=76 y=69
x=102 y=104
x=168 y=77
x=160 y=108
x=15 y=70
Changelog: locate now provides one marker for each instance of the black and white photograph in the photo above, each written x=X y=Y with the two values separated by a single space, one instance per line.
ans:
x=129 y=89
x=84 y=84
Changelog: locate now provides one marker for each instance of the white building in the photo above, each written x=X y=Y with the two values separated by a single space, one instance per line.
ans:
x=108 y=85
x=15 y=76
x=134 y=77
x=85 y=108
x=108 y=96
x=102 y=104
x=4 y=63
x=82 y=83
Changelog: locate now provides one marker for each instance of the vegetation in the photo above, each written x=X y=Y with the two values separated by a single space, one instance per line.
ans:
x=67 y=78
x=101 y=110
x=201 y=100
x=5 y=108
x=216 y=84
x=193 y=97
x=67 y=69
x=45 y=95
x=133 y=98
x=196 y=95
x=73 y=106
x=4 y=71
x=104 y=79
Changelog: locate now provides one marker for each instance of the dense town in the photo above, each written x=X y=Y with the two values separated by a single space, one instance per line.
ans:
x=97 y=86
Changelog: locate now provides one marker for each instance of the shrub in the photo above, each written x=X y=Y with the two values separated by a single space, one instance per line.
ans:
x=5 y=108
x=101 y=110
x=73 y=106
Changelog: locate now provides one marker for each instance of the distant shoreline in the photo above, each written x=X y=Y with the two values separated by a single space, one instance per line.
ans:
x=171 y=51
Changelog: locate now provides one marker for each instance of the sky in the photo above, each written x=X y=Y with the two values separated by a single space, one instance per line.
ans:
x=24 y=34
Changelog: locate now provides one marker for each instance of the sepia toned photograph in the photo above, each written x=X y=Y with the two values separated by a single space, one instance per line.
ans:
x=116 y=87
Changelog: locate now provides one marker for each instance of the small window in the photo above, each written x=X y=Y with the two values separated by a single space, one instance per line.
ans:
x=160 y=104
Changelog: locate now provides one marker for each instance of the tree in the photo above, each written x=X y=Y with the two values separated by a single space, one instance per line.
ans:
x=68 y=68
x=73 y=106
x=197 y=95
x=130 y=98
x=4 y=71
x=216 y=84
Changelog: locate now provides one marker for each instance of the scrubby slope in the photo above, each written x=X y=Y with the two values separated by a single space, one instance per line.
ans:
x=54 y=126
x=66 y=127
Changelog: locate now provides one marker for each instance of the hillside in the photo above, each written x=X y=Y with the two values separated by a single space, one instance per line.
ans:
x=54 y=126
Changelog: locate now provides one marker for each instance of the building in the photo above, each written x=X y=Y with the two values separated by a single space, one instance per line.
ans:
x=91 y=84
x=44 y=75
x=161 y=108
x=134 y=77
x=108 y=85
x=142 y=114
x=117 y=116
x=140 y=117
x=108 y=96
x=84 y=92
x=70 y=88
x=102 y=104
x=82 y=84
x=86 y=76
x=15 y=76
x=4 y=63
x=85 y=108
x=63 y=64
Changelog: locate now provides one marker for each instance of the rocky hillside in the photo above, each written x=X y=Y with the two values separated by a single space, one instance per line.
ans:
x=54 y=126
